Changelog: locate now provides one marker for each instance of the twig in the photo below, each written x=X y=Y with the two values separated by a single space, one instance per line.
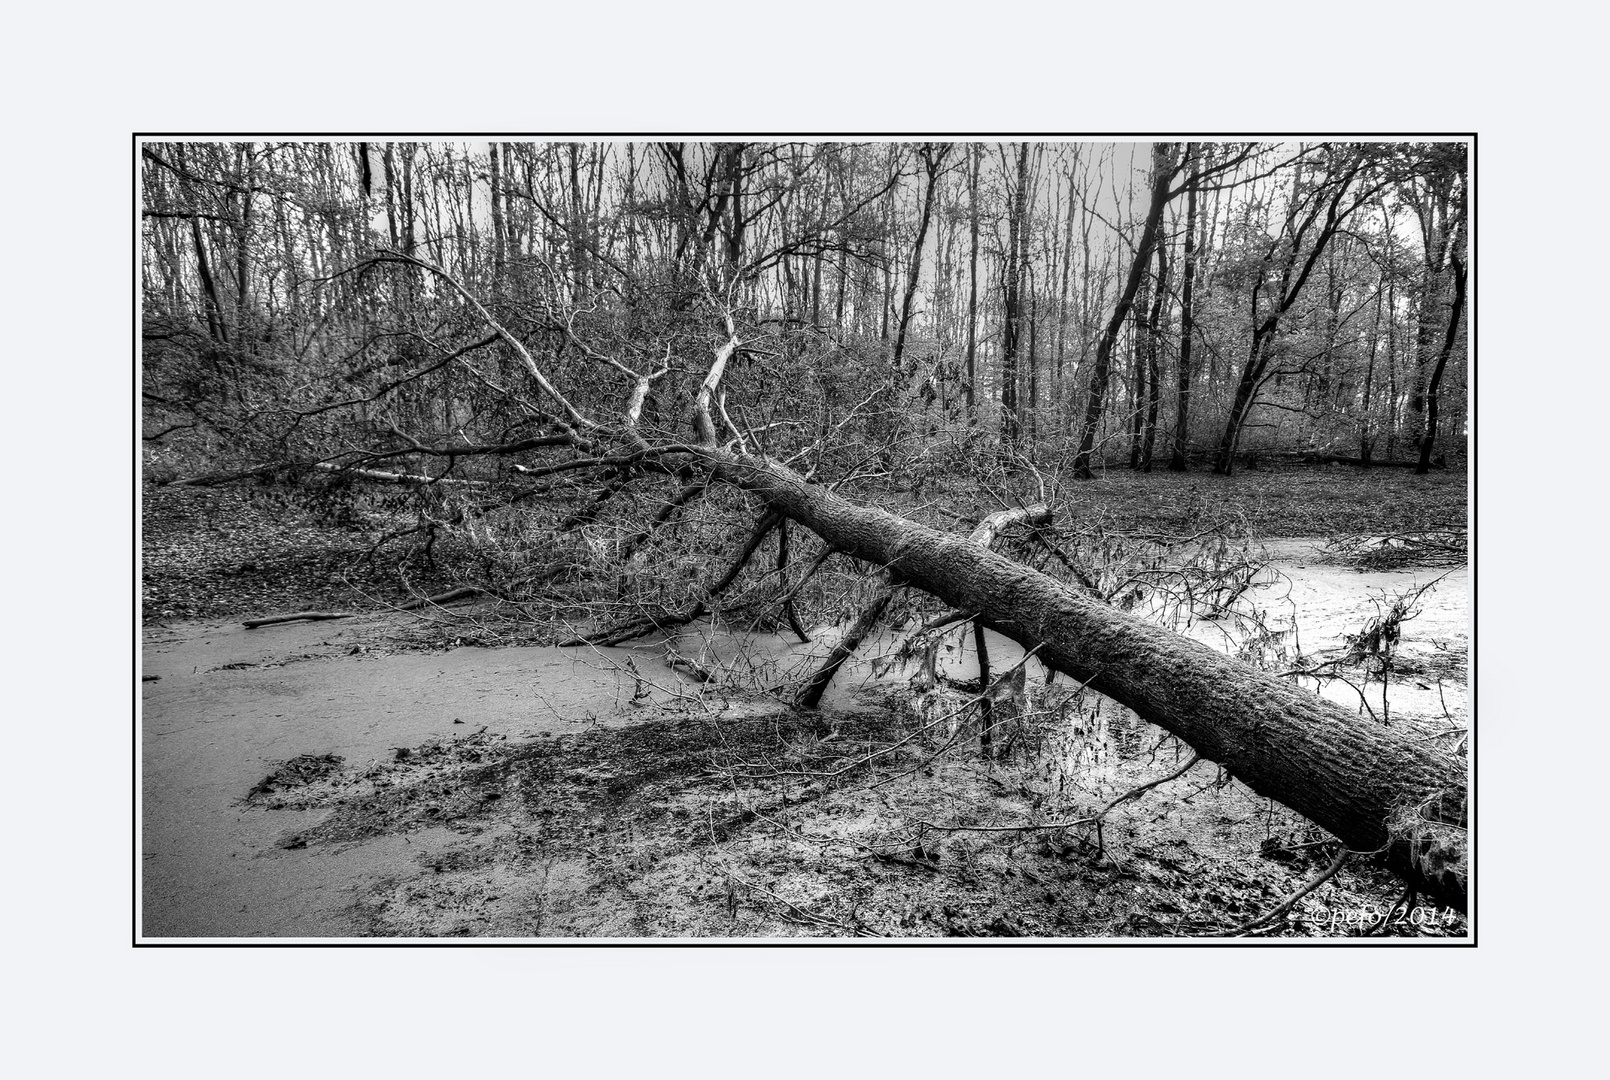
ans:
x=1286 y=905
x=310 y=616
x=1093 y=819
x=807 y=916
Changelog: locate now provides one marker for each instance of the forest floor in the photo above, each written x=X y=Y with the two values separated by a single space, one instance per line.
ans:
x=388 y=776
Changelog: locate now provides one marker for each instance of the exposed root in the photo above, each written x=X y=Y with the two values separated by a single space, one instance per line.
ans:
x=1430 y=841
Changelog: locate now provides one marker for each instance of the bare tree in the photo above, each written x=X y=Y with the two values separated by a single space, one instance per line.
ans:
x=1164 y=168
x=1182 y=398
x=1316 y=208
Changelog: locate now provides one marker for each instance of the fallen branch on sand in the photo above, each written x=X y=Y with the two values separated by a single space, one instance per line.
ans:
x=316 y=616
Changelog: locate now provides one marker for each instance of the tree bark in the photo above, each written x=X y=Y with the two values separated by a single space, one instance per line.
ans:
x=243 y=245
x=215 y=322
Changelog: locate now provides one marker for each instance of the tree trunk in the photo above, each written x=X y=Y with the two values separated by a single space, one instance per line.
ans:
x=1366 y=437
x=1245 y=389
x=1137 y=367
x=972 y=295
x=1391 y=354
x=1034 y=365
x=243 y=247
x=1154 y=367
x=986 y=722
x=1163 y=170
x=1430 y=437
x=1374 y=786
x=215 y=322
x=408 y=202
x=389 y=167
x=495 y=183
x=1062 y=293
x=1182 y=406
x=932 y=160
x=577 y=224
x=1012 y=310
x=809 y=696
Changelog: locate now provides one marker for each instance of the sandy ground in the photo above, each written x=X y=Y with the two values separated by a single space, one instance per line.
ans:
x=497 y=792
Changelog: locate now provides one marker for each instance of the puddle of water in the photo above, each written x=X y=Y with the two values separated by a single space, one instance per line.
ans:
x=1318 y=604
x=1308 y=604
x=211 y=729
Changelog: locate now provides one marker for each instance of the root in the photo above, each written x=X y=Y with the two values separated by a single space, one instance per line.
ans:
x=1429 y=846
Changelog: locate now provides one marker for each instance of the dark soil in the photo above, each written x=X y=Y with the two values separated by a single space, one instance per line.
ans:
x=296 y=773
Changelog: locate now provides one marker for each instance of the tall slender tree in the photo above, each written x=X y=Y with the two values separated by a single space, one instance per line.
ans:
x=1182 y=397
x=1154 y=373
x=1012 y=306
x=972 y=287
x=1165 y=166
x=933 y=159
x=1456 y=264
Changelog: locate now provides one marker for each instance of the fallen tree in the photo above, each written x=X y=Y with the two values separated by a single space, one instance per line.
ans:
x=1375 y=787
x=1310 y=457
x=375 y=476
